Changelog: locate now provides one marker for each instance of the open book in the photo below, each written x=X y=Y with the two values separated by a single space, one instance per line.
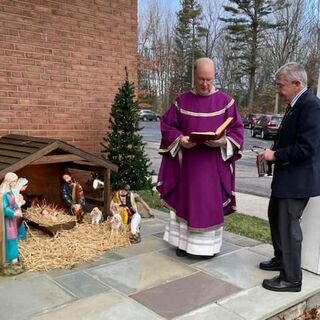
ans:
x=201 y=137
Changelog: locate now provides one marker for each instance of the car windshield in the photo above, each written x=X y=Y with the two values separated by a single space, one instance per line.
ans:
x=146 y=111
x=277 y=119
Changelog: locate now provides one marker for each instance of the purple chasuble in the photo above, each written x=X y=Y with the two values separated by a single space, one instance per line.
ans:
x=197 y=183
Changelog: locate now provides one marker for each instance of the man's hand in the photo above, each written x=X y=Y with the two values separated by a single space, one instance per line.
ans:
x=217 y=143
x=76 y=206
x=267 y=155
x=186 y=143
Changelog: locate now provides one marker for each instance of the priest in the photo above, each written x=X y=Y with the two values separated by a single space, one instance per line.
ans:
x=197 y=181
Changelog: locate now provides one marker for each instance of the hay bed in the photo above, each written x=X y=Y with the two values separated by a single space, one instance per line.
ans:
x=55 y=216
x=83 y=243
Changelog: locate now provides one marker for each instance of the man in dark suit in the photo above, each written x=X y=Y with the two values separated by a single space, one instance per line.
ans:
x=296 y=177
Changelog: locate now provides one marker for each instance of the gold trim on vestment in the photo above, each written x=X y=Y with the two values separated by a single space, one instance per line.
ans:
x=212 y=91
x=175 y=103
x=217 y=226
x=205 y=114
x=226 y=203
x=172 y=145
x=234 y=142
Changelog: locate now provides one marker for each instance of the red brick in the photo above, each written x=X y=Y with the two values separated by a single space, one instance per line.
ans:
x=47 y=102
x=15 y=53
x=37 y=56
x=44 y=50
x=18 y=81
x=8 y=101
x=8 y=126
x=28 y=102
x=25 y=61
x=61 y=63
x=30 y=75
x=20 y=94
x=5 y=45
x=58 y=78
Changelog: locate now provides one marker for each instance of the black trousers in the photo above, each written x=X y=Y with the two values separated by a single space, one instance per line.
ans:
x=286 y=234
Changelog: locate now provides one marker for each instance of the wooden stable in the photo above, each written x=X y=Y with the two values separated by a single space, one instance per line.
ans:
x=42 y=161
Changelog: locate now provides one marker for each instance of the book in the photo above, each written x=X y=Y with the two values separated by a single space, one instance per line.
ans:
x=200 y=137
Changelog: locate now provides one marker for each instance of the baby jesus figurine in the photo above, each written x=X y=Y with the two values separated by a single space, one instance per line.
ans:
x=48 y=215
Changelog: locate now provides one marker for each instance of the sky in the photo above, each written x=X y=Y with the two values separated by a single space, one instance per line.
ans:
x=173 y=4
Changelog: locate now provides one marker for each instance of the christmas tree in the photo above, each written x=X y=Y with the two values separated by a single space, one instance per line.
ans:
x=123 y=144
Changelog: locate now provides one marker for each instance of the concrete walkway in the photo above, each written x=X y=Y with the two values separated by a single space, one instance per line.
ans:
x=148 y=281
x=252 y=205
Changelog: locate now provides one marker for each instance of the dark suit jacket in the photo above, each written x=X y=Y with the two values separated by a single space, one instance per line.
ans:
x=297 y=146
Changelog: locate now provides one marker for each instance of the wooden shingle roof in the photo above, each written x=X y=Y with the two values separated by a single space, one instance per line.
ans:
x=18 y=151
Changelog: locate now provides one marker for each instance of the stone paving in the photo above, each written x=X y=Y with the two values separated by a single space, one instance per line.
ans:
x=148 y=281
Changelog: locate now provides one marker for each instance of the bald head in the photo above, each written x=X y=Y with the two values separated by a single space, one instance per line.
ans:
x=204 y=74
x=206 y=63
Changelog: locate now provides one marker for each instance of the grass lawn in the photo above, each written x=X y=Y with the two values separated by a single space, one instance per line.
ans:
x=153 y=200
x=248 y=226
x=237 y=223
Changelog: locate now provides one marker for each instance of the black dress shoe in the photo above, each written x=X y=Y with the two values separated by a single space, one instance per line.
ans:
x=270 y=265
x=180 y=252
x=277 y=284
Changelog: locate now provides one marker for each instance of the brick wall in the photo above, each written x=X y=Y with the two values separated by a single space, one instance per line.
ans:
x=61 y=63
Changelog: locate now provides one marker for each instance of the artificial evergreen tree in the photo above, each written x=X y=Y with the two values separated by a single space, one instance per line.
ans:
x=123 y=144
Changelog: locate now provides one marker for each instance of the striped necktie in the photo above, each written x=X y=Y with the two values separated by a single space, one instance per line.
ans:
x=287 y=109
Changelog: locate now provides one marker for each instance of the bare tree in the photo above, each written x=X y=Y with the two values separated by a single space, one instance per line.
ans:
x=283 y=43
x=263 y=50
x=292 y=41
x=155 y=49
x=310 y=44
x=213 y=26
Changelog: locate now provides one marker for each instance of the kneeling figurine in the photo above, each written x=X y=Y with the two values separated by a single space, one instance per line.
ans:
x=123 y=204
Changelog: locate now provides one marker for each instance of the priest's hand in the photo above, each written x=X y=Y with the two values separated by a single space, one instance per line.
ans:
x=186 y=143
x=222 y=142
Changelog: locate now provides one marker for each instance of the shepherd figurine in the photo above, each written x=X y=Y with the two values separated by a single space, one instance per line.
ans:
x=123 y=203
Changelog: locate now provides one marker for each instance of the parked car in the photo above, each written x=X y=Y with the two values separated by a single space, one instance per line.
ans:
x=250 y=119
x=148 y=115
x=267 y=126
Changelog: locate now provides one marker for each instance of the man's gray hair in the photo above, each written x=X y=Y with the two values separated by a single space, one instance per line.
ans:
x=293 y=71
